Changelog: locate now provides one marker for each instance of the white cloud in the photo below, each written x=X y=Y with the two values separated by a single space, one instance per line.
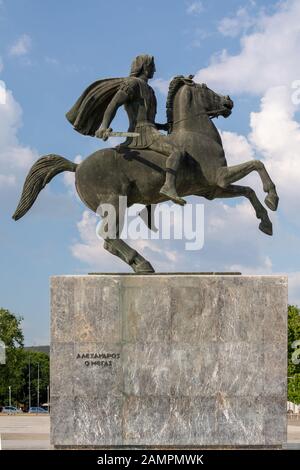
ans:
x=195 y=8
x=15 y=161
x=268 y=56
x=266 y=66
x=234 y=25
x=90 y=249
x=21 y=47
x=2 y=92
x=161 y=85
x=237 y=148
x=223 y=217
x=275 y=135
x=275 y=139
x=69 y=177
x=164 y=257
x=15 y=158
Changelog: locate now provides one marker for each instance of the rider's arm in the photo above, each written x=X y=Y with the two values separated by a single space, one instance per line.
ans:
x=118 y=100
x=126 y=92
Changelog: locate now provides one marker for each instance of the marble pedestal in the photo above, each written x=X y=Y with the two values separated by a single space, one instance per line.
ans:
x=168 y=360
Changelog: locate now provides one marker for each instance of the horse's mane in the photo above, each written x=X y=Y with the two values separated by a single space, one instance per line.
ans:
x=175 y=84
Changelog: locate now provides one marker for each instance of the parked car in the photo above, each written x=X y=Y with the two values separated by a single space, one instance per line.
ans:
x=11 y=409
x=37 y=409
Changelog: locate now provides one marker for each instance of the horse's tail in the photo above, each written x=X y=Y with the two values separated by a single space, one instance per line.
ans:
x=41 y=173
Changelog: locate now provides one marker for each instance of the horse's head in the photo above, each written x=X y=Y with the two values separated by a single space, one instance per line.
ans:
x=187 y=100
x=213 y=103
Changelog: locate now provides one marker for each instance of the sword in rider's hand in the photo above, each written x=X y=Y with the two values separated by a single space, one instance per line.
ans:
x=108 y=134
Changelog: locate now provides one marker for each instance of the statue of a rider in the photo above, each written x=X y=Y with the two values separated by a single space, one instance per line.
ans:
x=96 y=108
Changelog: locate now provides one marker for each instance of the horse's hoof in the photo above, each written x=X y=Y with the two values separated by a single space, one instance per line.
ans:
x=142 y=267
x=271 y=201
x=266 y=227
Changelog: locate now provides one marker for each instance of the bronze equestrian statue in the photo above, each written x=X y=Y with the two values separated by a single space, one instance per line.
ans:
x=150 y=167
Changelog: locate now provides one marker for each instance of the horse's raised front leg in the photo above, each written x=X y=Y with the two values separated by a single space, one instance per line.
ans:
x=115 y=245
x=230 y=174
x=261 y=213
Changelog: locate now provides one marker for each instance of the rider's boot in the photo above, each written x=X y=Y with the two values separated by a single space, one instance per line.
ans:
x=169 y=188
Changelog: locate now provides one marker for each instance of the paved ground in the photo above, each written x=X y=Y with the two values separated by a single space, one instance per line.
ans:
x=25 y=432
x=32 y=432
x=293 y=434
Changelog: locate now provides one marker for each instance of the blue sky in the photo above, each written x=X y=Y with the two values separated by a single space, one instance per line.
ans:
x=51 y=50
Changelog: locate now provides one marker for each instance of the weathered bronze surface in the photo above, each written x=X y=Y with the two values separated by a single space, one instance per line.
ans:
x=151 y=167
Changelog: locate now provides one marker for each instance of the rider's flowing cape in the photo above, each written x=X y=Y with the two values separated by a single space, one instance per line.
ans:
x=87 y=113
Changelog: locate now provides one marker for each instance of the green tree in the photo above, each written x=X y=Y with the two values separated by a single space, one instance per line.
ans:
x=294 y=389
x=293 y=368
x=10 y=329
x=39 y=366
x=15 y=373
x=11 y=372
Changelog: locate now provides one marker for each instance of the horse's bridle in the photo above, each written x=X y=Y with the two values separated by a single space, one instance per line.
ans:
x=212 y=114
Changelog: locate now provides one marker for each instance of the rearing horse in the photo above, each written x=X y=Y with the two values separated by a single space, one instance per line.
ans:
x=109 y=173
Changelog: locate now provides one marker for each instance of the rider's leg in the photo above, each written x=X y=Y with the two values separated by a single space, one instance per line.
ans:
x=169 y=187
x=175 y=156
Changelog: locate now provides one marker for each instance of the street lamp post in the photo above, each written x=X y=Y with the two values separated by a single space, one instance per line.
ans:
x=29 y=385
x=38 y=385
x=48 y=398
x=9 y=395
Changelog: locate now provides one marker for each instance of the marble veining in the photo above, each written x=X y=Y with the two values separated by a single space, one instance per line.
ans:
x=168 y=360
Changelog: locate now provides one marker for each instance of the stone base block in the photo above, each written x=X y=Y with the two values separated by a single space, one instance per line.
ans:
x=168 y=360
